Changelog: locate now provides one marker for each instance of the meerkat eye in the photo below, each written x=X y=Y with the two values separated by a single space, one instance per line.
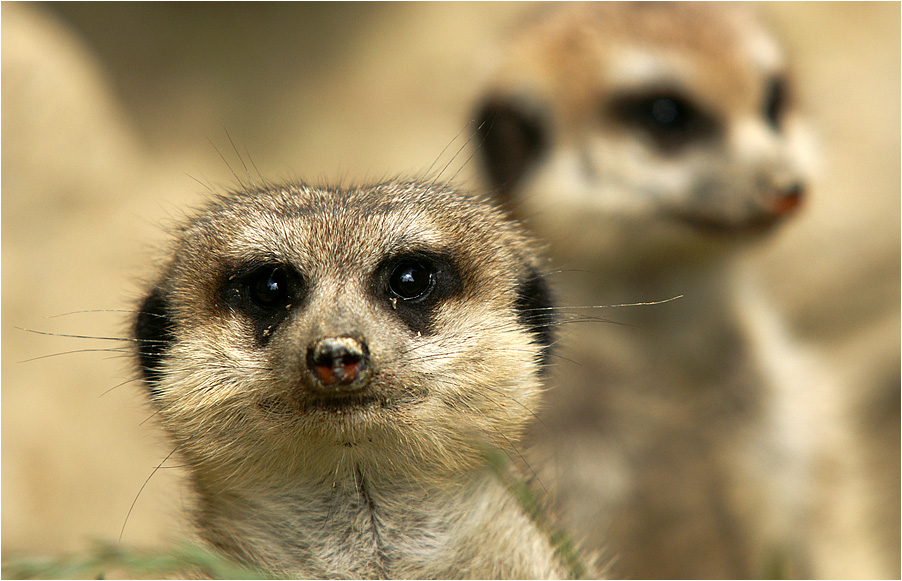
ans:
x=263 y=294
x=669 y=113
x=268 y=287
x=775 y=101
x=413 y=285
x=664 y=114
x=411 y=280
x=668 y=118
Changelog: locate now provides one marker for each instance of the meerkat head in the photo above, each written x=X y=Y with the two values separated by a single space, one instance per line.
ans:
x=643 y=127
x=399 y=327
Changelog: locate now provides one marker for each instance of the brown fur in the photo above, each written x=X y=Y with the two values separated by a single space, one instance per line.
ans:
x=697 y=440
x=393 y=487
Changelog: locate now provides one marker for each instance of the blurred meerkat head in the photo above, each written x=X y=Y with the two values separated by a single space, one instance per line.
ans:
x=631 y=129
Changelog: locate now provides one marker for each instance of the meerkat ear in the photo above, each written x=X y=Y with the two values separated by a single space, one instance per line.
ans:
x=153 y=330
x=511 y=139
x=536 y=311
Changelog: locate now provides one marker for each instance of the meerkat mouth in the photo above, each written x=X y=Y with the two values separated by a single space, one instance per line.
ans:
x=344 y=403
x=282 y=409
x=770 y=211
x=756 y=224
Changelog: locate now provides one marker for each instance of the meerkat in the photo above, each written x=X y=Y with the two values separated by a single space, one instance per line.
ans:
x=334 y=365
x=649 y=144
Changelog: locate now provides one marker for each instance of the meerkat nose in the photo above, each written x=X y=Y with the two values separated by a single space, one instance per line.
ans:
x=338 y=362
x=789 y=199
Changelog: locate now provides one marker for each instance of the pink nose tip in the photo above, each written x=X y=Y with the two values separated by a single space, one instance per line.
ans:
x=337 y=361
x=789 y=200
x=340 y=370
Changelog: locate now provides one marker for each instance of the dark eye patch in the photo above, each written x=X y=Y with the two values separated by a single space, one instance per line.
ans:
x=264 y=293
x=413 y=284
x=669 y=118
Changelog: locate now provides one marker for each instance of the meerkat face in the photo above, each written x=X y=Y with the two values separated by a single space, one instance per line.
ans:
x=295 y=327
x=651 y=122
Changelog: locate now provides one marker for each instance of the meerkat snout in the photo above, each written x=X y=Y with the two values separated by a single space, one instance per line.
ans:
x=338 y=364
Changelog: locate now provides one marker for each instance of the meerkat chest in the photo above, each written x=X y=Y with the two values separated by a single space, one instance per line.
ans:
x=355 y=530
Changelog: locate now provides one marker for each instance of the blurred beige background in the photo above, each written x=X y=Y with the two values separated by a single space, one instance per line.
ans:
x=115 y=119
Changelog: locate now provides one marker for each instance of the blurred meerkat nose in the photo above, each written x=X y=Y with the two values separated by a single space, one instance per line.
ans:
x=789 y=199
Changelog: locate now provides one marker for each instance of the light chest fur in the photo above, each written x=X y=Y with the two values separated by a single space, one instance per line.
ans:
x=360 y=528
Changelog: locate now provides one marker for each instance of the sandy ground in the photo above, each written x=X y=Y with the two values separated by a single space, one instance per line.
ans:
x=116 y=119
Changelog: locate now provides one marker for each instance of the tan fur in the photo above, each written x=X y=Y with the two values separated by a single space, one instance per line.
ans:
x=697 y=440
x=395 y=488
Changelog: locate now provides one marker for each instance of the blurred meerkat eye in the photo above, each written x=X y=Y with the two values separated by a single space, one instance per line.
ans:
x=668 y=113
x=668 y=118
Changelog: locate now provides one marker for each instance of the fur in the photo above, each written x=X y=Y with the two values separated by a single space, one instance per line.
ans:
x=390 y=482
x=651 y=144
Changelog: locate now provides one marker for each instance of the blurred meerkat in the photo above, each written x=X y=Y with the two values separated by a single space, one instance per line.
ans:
x=649 y=144
x=334 y=365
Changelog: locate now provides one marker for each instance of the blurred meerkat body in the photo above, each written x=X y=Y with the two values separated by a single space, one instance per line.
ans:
x=649 y=144
x=334 y=365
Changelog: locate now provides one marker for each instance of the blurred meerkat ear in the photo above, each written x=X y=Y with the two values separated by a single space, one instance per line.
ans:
x=511 y=140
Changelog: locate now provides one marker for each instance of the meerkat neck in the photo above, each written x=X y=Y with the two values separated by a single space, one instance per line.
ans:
x=701 y=334
x=362 y=526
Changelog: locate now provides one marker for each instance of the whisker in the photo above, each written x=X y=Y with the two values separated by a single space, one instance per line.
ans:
x=98 y=311
x=510 y=444
x=126 y=382
x=89 y=336
x=254 y=165
x=148 y=418
x=238 y=154
x=117 y=350
x=454 y=157
x=525 y=462
x=520 y=403
x=588 y=319
x=642 y=304
x=207 y=187
x=228 y=165
x=614 y=306
x=456 y=137
x=160 y=465
x=475 y=149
